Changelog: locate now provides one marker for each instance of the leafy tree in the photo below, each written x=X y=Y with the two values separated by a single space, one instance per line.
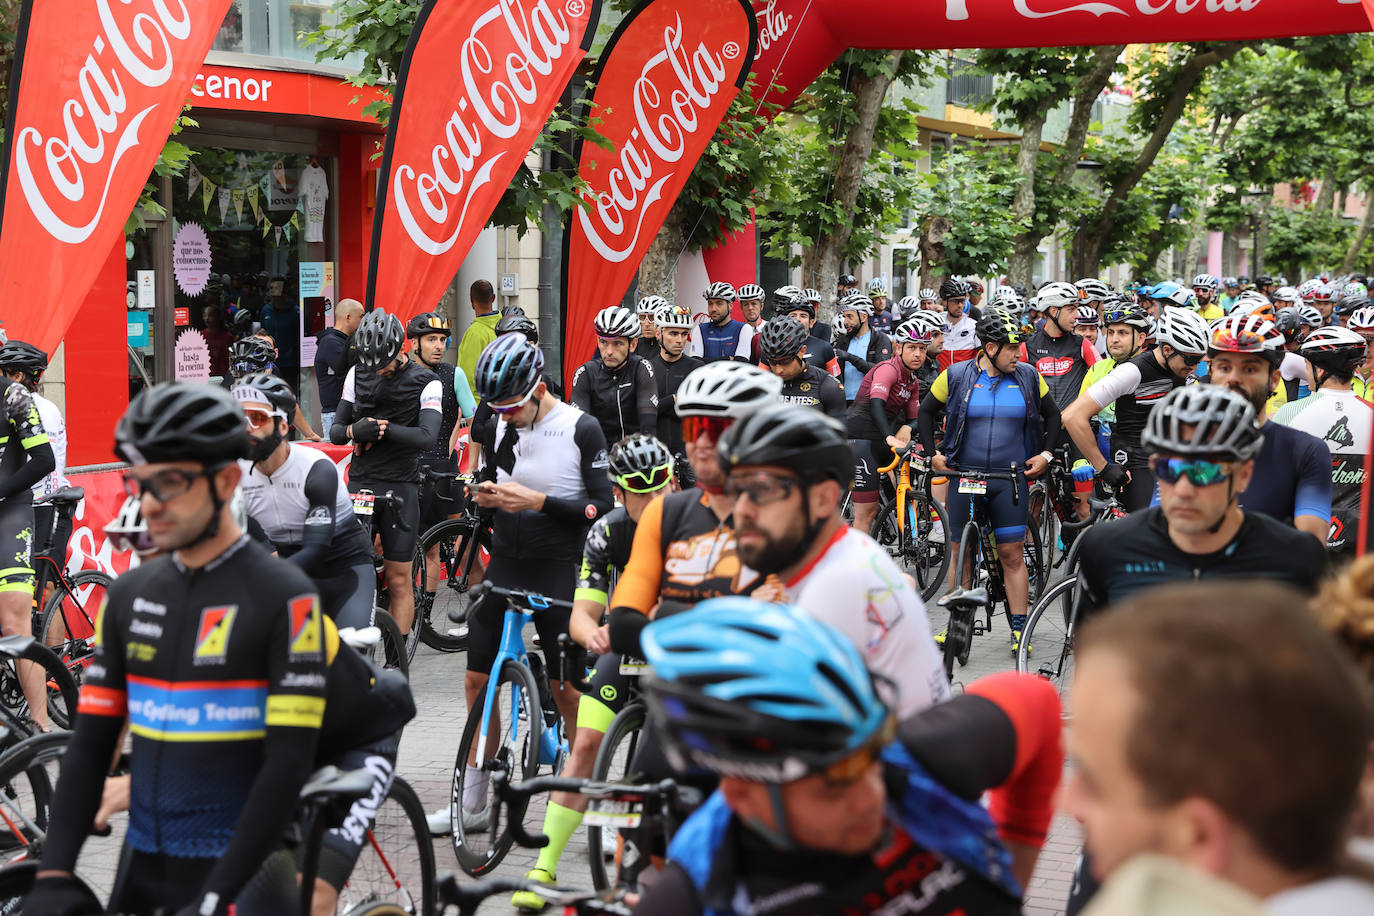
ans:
x=963 y=214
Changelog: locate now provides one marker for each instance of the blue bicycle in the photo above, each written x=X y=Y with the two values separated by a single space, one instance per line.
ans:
x=517 y=731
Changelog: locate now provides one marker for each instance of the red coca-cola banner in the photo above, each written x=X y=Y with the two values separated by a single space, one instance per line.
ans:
x=96 y=88
x=478 y=82
x=664 y=83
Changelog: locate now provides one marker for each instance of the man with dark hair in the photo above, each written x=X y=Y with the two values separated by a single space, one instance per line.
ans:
x=1216 y=724
x=482 y=331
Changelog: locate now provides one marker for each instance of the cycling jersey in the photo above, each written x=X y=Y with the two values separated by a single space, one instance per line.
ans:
x=669 y=376
x=961 y=341
x=893 y=632
x=1292 y=476
x=411 y=400
x=992 y=421
x=1062 y=362
x=56 y=428
x=605 y=552
x=26 y=454
x=881 y=321
x=1294 y=372
x=821 y=354
x=1121 y=557
x=1135 y=387
x=624 y=400
x=1095 y=374
x=859 y=355
x=894 y=386
x=818 y=389
x=731 y=340
x=456 y=402
x=1343 y=422
x=305 y=510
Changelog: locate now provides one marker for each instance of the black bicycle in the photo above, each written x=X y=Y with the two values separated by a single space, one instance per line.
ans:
x=398 y=648
x=449 y=553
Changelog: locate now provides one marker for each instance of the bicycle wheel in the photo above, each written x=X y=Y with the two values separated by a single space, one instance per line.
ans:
x=453 y=539
x=61 y=686
x=390 y=650
x=613 y=765
x=417 y=574
x=959 y=631
x=396 y=866
x=927 y=543
x=513 y=740
x=67 y=623
x=1035 y=563
x=28 y=778
x=1048 y=638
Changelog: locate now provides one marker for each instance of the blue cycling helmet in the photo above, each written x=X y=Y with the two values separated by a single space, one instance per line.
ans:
x=509 y=367
x=760 y=691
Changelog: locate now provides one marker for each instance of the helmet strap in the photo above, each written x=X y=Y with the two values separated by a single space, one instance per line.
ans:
x=211 y=529
x=1230 y=501
x=779 y=837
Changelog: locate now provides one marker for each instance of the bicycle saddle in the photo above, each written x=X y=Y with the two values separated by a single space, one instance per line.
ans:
x=15 y=646
x=975 y=596
x=71 y=495
x=330 y=783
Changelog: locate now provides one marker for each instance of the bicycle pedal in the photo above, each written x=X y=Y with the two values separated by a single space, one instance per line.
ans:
x=1045 y=672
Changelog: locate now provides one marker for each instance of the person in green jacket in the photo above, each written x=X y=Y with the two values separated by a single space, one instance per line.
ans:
x=482 y=331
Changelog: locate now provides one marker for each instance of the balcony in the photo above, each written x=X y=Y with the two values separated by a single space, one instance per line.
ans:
x=276 y=29
x=963 y=89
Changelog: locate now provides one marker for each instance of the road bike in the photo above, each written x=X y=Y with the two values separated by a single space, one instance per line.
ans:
x=398 y=648
x=455 y=545
x=911 y=525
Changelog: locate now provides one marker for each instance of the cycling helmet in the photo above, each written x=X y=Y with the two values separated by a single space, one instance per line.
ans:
x=1362 y=319
x=856 y=302
x=615 y=321
x=1324 y=292
x=974 y=285
x=1287 y=294
x=720 y=290
x=1162 y=290
x=1337 y=350
x=1308 y=289
x=1247 y=334
x=812 y=295
x=954 y=289
x=1261 y=280
x=926 y=294
x=378 y=339
x=800 y=305
x=1088 y=317
x=511 y=310
x=1206 y=281
x=509 y=367
x=1182 y=296
x=1182 y=329
x=813 y=445
x=759 y=690
x=20 y=356
x=727 y=389
x=651 y=305
x=260 y=387
x=1289 y=323
x=429 y=323
x=1352 y=305
x=847 y=280
x=908 y=305
x=1310 y=316
x=931 y=321
x=1093 y=289
x=1128 y=314
x=1255 y=304
x=998 y=325
x=1353 y=290
x=645 y=456
x=785 y=298
x=1010 y=298
x=1058 y=295
x=877 y=288
x=182 y=421
x=674 y=316
x=1230 y=282
x=911 y=331
x=128 y=531
x=751 y=291
x=521 y=324
x=782 y=339
x=1222 y=424
x=250 y=354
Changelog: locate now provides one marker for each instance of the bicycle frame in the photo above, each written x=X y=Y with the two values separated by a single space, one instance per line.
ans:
x=513 y=648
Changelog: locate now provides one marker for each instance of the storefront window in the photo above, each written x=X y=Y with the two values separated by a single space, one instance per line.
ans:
x=141 y=257
x=275 y=28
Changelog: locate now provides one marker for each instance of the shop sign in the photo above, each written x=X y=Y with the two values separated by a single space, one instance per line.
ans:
x=181 y=317
x=191 y=259
x=191 y=358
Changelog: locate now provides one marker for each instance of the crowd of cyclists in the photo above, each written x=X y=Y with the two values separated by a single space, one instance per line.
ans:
x=700 y=518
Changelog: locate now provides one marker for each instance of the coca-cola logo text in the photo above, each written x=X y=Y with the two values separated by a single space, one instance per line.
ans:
x=665 y=118
x=57 y=173
x=498 y=89
x=772 y=24
x=956 y=9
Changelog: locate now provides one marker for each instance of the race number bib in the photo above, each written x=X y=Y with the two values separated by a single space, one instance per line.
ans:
x=603 y=812
x=972 y=487
x=362 y=502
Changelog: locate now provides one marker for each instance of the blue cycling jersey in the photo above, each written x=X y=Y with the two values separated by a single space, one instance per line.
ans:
x=720 y=341
x=995 y=424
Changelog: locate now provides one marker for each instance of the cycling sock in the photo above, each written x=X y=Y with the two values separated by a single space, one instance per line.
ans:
x=474 y=789
x=559 y=825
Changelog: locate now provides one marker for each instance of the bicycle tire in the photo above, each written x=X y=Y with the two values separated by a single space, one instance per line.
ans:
x=390 y=649
x=959 y=642
x=417 y=591
x=62 y=692
x=433 y=614
x=912 y=548
x=74 y=606
x=26 y=794
x=1051 y=623
x=386 y=893
x=522 y=755
x=1035 y=564
x=624 y=729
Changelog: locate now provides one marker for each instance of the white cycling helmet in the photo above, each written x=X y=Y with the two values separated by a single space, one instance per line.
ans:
x=727 y=389
x=1362 y=319
x=812 y=295
x=877 y=288
x=928 y=318
x=1308 y=315
x=615 y=321
x=1093 y=289
x=751 y=291
x=720 y=290
x=1088 y=317
x=674 y=316
x=1010 y=298
x=908 y=305
x=1206 y=281
x=1183 y=297
x=651 y=305
x=1183 y=329
x=1058 y=295
x=1287 y=294
x=1308 y=289
x=926 y=294
x=1255 y=304
x=784 y=296
x=856 y=302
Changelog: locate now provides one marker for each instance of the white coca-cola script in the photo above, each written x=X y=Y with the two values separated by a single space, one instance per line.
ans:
x=772 y=24
x=667 y=114
x=68 y=166
x=525 y=44
x=1120 y=7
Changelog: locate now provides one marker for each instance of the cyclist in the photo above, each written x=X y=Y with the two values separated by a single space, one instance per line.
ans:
x=934 y=322
x=1205 y=289
x=1126 y=328
x=961 y=330
x=783 y=342
x=616 y=387
x=1060 y=356
x=751 y=305
x=391 y=411
x=546 y=478
x=1088 y=326
x=846 y=284
x=1293 y=369
x=826 y=803
x=860 y=347
x=217 y=654
x=1094 y=291
x=928 y=299
x=1230 y=289
x=671 y=368
x=1361 y=321
x=819 y=329
x=431 y=332
x=883 y=413
x=1292 y=471
x=882 y=318
x=641 y=471
x=1000 y=414
x=1135 y=386
x=296 y=494
x=787 y=473
x=790 y=302
x=1323 y=298
x=647 y=343
x=1341 y=420
x=975 y=291
x=720 y=336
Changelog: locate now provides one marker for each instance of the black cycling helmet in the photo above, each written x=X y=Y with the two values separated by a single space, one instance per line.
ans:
x=847 y=280
x=428 y=323
x=782 y=339
x=999 y=325
x=182 y=421
x=250 y=354
x=1334 y=350
x=379 y=339
x=954 y=288
x=509 y=367
x=1222 y=425
x=511 y=310
x=522 y=324
x=1289 y=323
x=808 y=442
x=641 y=464
x=20 y=356
x=272 y=387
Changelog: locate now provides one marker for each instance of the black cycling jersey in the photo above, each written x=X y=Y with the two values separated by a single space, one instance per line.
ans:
x=821 y=354
x=1062 y=362
x=1133 y=408
x=26 y=456
x=816 y=388
x=438 y=451
x=623 y=400
x=669 y=376
x=410 y=400
x=605 y=553
x=1121 y=557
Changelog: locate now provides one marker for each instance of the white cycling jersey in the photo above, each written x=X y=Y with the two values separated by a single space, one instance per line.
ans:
x=855 y=587
x=280 y=503
x=56 y=428
x=1293 y=367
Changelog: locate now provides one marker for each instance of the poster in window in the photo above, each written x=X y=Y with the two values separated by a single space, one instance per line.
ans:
x=317 y=304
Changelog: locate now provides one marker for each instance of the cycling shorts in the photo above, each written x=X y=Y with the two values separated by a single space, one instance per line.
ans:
x=53 y=540
x=399 y=530
x=553 y=580
x=866 y=474
x=342 y=844
x=610 y=691
x=147 y=883
x=1008 y=520
x=349 y=595
x=16 y=543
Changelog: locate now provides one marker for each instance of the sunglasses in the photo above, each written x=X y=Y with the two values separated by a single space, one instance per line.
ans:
x=849 y=770
x=646 y=481
x=1190 y=359
x=712 y=427
x=509 y=408
x=1200 y=473
x=164 y=485
x=257 y=419
x=762 y=488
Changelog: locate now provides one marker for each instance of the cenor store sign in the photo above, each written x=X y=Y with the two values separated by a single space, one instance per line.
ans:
x=280 y=92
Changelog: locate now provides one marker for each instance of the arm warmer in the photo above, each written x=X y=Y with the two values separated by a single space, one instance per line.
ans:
x=1049 y=416
x=646 y=398
x=343 y=416
x=580 y=396
x=39 y=464
x=421 y=437
x=877 y=408
x=591 y=444
x=925 y=422
x=321 y=490
x=624 y=626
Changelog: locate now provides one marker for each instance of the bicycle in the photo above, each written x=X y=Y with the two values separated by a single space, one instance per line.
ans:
x=912 y=525
x=457 y=541
x=399 y=648
x=516 y=726
x=1055 y=491
x=979 y=563
x=581 y=903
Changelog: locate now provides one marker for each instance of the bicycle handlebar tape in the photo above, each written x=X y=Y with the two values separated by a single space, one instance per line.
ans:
x=1023 y=805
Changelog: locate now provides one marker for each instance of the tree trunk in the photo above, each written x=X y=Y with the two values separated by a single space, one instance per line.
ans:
x=1262 y=233
x=822 y=263
x=932 y=247
x=658 y=270
x=1186 y=79
x=1326 y=194
x=1352 y=255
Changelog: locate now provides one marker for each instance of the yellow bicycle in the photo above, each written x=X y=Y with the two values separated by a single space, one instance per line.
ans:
x=911 y=524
